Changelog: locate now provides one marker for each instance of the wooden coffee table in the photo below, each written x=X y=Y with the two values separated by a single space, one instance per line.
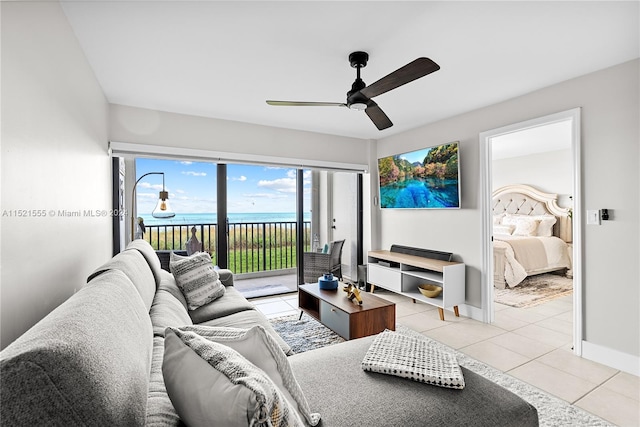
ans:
x=348 y=319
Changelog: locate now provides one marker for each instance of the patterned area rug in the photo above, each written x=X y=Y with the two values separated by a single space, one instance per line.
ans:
x=535 y=290
x=552 y=411
x=304 y=334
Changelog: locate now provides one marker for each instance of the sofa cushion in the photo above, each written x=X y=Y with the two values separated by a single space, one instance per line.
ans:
x=329 y=374
x=196 y=278
x=150 y=256
x=134 y=266
x=85 y=363
x=168 y=283
x=160 y=410
x=247 y=319
x=211 y=383
x=231 y=302
x=166 y=311
x=261 y=349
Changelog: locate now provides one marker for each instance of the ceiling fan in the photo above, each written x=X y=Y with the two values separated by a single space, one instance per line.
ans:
x=359 y=97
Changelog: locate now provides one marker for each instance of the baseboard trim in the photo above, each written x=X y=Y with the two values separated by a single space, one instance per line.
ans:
x=470 y=311
x=610 y=357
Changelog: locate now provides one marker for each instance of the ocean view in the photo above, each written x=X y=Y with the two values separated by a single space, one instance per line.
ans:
x=234 y=218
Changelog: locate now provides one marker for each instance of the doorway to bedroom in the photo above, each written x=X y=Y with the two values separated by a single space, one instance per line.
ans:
x=531 y=196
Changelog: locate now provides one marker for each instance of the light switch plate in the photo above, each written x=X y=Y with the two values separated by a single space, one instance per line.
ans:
x=593 y=217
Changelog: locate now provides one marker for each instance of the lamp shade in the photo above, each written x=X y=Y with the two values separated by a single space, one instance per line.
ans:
x=162 y=209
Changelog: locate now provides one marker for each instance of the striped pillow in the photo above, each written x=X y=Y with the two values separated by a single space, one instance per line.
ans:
x=196 y=278
x=212 y=384
x=261 y=349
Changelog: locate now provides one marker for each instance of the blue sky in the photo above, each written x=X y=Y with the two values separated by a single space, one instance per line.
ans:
x=416 y=156
x=192 y=187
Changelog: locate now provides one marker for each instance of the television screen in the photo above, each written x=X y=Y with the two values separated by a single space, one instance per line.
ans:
x=423 y=179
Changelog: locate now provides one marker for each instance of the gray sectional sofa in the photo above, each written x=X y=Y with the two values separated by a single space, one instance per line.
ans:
x=97 y=360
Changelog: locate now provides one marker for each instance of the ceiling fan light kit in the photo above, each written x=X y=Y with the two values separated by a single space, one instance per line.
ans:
x=359 y=97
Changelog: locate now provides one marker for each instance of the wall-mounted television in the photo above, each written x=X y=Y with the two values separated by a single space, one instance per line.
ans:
x=422 y=179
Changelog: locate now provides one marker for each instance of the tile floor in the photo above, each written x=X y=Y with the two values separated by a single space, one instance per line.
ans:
x=531 y=344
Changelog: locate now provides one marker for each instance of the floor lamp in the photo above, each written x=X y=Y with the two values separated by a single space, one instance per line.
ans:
x=162 y=209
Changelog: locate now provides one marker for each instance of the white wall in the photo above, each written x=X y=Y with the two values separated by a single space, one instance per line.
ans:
x=142 y=126
x=551 y=172
x=610 y=155
x=54 y=158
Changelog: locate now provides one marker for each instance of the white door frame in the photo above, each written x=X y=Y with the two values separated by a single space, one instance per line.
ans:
x=488 y=312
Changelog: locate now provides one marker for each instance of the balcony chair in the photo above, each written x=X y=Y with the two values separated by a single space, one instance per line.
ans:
x=316 y=264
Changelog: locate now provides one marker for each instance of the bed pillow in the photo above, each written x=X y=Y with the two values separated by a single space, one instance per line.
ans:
x=526 y=227
x=545 y=227
x=261 y=349
x=512 y=219
x=502 y=229
x=497 y=219
x=210 y=383
x=196 y=278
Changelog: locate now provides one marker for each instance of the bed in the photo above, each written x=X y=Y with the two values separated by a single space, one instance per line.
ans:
x=531 y=234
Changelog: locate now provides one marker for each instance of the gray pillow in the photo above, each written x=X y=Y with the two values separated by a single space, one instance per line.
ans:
x=196 y=278
x=261 y=349
x=210 y=383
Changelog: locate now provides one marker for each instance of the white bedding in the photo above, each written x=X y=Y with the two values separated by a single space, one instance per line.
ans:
x=556 y=255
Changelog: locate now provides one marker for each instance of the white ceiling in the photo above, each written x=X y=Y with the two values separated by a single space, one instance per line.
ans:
x=224 y=59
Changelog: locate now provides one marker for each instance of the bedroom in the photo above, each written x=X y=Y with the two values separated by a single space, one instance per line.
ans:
x=525 y=165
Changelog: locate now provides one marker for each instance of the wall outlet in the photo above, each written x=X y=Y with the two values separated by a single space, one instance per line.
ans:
x=593 y=217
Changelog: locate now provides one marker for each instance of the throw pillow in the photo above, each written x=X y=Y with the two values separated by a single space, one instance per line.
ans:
x=209 y=383
x=196 y=278
x=261 y=349
x=394 y=353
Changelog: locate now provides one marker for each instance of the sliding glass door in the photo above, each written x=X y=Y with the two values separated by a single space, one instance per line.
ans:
x=255 y=220
x=245 y=216
x=262 y=203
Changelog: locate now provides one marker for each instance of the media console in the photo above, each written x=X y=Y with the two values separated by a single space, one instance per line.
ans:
x=402 y=269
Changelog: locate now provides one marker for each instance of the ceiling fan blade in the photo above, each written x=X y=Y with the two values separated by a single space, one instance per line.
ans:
x=410 y=72
x=377 y=116
x=306 y=104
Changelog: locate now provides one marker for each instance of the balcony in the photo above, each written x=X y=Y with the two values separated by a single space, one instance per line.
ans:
x=254 y=249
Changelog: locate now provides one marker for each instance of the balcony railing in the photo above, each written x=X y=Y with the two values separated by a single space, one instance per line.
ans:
x=251 y=246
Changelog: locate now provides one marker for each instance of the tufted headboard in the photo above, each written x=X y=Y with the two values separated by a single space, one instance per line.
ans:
x=525 y=200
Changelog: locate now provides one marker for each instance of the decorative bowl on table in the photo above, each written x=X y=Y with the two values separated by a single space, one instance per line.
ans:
x=328 y=282
x=430 y=291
